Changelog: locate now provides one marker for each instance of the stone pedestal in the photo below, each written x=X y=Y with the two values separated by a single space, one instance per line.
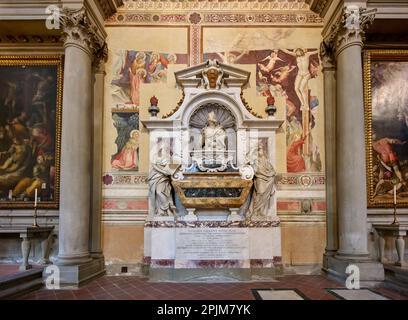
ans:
x=213 y=250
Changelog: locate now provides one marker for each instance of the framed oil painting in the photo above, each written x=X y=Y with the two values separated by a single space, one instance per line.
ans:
x=386 y=116
x=30 y=130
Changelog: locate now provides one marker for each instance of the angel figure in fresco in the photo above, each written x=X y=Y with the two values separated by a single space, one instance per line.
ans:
x=137 y=74
x=303 y=75
x=264 y=186
x=272 y=59
x=282 y=74
x=127 y=159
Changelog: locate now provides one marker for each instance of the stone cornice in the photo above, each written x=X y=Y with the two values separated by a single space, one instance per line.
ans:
x=108 y=7
x=319 y=6
x=347 y=30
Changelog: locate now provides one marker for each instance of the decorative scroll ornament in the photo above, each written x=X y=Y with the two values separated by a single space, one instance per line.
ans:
x=78 y=29
x=349 y=28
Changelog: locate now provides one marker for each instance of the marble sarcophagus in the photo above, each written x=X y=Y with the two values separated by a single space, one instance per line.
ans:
x=205 y=190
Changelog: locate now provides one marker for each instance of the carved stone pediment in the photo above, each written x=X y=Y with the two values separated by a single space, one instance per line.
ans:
x=212 y=74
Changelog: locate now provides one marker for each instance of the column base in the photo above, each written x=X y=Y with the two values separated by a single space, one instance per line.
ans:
x=71 y=260
x=371 y=272
x=326 y=255
x=79 y=273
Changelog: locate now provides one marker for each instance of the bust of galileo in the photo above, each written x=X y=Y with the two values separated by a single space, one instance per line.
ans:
x=213 y=135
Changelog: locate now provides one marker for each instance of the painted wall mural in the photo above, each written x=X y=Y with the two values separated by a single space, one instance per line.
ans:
x=132 y=68
x=286 y=73
x=30 y=120
x=126 y=122
x=386 y=93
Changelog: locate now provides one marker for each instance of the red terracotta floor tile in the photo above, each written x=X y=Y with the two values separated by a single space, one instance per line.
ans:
x=138 y=288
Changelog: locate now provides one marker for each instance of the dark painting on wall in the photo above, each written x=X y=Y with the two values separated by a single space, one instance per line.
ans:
x=386 y=111
x=30 y=123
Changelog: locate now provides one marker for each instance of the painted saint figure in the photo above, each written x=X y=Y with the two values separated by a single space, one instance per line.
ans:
x=137 y=74
x=127 y=159
x=160 y=190
x=261 y=205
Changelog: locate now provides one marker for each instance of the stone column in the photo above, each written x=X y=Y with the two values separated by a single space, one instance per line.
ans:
x=351 y=197
x=97 y=142
x=81 y=44
x=329 y=74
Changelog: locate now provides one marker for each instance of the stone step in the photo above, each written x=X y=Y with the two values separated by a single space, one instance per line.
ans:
x=396 y=278
x=12 y=286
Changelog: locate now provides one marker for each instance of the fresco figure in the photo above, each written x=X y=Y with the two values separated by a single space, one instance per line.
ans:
x=303 y=75
x=294 y=160
x=272 y=59
x=127 y=159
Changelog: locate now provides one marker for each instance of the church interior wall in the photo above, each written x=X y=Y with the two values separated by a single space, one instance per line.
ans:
x=301 y=203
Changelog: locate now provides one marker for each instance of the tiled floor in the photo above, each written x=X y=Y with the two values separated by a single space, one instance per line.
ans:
x=137 y=288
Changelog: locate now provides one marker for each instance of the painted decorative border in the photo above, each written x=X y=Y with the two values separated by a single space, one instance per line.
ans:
x=369 y=57
x=43 y=60
x=302 y=18
x=211 y=224
x=215 y=5
x=303 y=180
x=112 y=178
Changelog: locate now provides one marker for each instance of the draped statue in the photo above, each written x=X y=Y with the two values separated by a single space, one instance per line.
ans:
x=261 y=205
x=160 y=195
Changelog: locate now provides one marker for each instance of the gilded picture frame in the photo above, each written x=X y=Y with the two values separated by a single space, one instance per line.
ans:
x=386 y=127
x=30 y=131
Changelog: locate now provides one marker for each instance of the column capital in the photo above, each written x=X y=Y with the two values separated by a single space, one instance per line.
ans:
x=79 y=31
x=348 y=30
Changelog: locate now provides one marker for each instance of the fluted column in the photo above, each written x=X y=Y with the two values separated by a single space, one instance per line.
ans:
x=350 y=156
x=346 y=188
x=81 y=44
x=97 y=141
x=329 y=74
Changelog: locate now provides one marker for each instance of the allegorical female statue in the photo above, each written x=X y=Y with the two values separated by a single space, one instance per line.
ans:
x=160 y=197
x=261 y=205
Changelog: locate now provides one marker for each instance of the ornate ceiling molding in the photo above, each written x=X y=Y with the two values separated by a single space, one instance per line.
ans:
x=30 y=39
x=214 y=5
x=204 y=12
